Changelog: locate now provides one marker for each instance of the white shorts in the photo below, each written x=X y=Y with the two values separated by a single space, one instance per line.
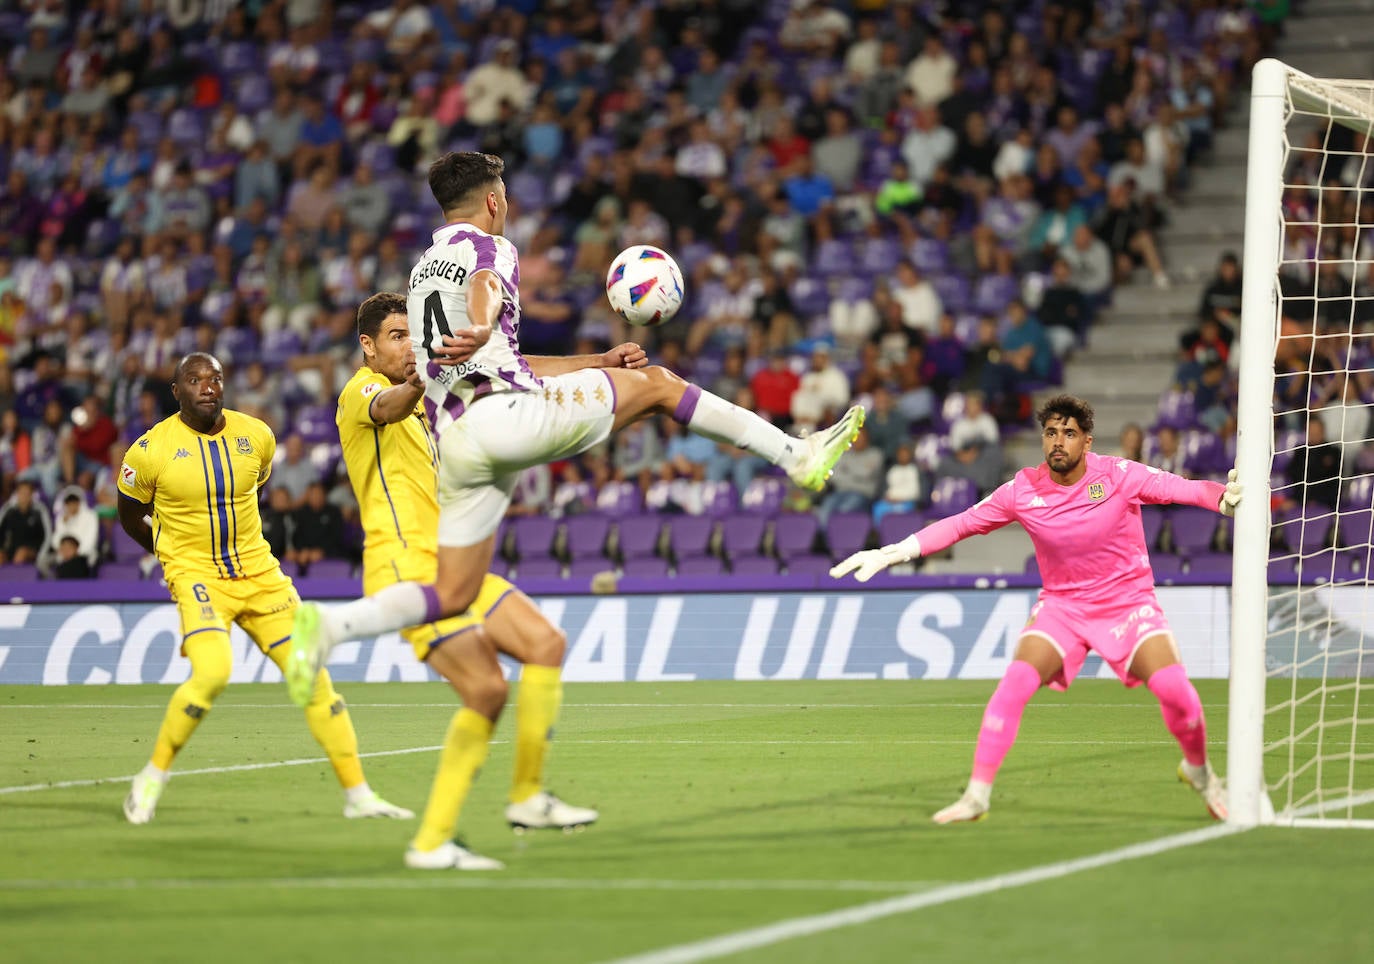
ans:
x=503 y=434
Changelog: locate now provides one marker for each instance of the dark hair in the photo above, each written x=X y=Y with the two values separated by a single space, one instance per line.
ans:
x=1067 y=407
x=375 y=310
x=453 y=177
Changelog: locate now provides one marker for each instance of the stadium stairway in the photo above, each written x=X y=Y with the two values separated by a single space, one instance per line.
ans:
x=1131 y=353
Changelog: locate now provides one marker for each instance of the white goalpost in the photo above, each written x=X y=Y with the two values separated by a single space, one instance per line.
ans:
x=1300 y=748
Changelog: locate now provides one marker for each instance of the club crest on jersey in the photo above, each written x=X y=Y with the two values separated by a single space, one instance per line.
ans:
x=1096 y=490
x=243 y=445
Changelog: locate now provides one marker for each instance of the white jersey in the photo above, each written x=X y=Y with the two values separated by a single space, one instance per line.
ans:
x=438 y=306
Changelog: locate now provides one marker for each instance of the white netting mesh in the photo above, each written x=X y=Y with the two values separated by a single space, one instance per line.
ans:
x=1319 y=728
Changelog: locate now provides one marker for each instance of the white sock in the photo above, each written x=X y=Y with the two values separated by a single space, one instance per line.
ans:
x=716 y=419
x=155 y=773
x=395 y=607
x=980 y=791
x=357 y=794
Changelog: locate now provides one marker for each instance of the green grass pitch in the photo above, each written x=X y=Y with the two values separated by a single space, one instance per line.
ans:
x=725 y=807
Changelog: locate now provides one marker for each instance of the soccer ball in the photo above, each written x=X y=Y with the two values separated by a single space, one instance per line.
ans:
x=644 y=285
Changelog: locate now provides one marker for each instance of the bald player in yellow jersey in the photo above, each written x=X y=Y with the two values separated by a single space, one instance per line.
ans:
x=393 y=464
x=195 y=476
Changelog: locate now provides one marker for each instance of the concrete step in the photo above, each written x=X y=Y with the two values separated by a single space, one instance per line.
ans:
x=1117 y=340
x=1125 y=379
x=1145 y=300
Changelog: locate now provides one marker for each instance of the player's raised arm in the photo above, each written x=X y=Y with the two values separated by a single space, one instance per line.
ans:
x=628 y=355
x=1164 y=488
x=398 y=402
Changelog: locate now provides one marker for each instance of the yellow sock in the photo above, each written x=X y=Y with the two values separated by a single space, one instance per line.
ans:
x=211 y=662
x=541 y=694
x=333 y=729
x=465 y=750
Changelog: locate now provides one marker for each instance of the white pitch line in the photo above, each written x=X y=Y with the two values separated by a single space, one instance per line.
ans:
x=465 y=881
x=786 y=930
x=236 y=768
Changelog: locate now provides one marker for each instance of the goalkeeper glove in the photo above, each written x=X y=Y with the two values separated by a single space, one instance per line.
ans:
x=1231 y=497
x=867 y=564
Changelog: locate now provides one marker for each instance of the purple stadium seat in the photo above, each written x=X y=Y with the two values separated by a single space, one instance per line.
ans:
x=252 y=92
x=1192 y=529
x=952 y=408
x=1355 y=529
x=846 y=533
x=794 y=533
x=896 y=526
x=764 y=495
x=499 y=567
x=1152 y=520
x=1304 y=534
x=1177 y=409
x=952 y=495
x=1203 y=454
x=315 y=423
x=1166 y=566
x=930 y=449
x=588 y=567
x=809 y=565
x=700 y=566
x=741 y=533
x=689 y=535
x=878 y=257
x=1216 y=564
x=753 y=566
x=119 y=571
x=1359 y=491
x=586 y=535
x=930 y=255
x=539 y=567
x=330 y=569
x=1032 y=565
x=954 y=290
x=1286 y=444
x=718 y=498
x=16 y=572
x=637 y=536
x=533 y=536
x=810 y=296
x=650 y=567
x=994 y=292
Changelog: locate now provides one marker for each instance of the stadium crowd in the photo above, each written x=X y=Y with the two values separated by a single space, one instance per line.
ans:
x=921 y=205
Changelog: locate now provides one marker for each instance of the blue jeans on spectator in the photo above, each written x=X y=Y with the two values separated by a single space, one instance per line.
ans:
x=842 y=502
x=883 y=507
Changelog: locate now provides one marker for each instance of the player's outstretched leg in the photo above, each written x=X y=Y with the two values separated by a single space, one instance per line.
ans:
x=211 y=663
x=656 y=390
x=1001 y=720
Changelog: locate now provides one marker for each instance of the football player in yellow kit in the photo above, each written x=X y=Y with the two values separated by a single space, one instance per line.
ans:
x=392 y=461
x=188 y=492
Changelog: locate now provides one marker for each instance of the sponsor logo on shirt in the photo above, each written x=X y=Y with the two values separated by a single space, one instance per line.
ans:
x=127 y=475
x=1038 y=503
x=370 y=389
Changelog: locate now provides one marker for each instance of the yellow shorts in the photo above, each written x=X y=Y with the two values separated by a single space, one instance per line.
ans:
x=264 y=605
x=422 y=567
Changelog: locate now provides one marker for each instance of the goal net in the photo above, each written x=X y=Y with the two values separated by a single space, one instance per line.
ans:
x=1301 y=736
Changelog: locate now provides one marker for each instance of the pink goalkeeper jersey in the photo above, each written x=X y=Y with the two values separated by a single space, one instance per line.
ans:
x=1089 y=540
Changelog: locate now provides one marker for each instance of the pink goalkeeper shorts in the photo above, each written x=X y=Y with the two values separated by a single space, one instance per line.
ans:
x=1113 y=632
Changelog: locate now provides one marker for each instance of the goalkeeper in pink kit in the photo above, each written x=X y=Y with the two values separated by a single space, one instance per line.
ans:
x=1082 y=512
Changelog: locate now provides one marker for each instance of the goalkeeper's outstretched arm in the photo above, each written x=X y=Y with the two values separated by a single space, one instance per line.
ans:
x=992 y=513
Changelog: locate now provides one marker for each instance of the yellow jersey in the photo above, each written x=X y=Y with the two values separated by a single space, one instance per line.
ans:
x=394 y=471
x=204 y=493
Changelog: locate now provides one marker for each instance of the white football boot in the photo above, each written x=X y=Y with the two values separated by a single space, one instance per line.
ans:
x=545 y=810
x=374 y=806
x=1209 y=786
x=141 y=803
x=966 y=809
x=450 y=856
x=824 y=448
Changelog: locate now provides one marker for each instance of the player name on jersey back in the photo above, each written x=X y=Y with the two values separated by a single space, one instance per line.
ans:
x=447 y=270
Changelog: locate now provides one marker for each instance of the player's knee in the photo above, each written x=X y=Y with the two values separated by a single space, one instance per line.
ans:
x=667 y=386
x=487 y=695
x=210 y=680
x=548 y=646
x=457 y=595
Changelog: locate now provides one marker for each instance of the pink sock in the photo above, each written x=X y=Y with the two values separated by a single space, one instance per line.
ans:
x=1182 y=711
x=1002 y=718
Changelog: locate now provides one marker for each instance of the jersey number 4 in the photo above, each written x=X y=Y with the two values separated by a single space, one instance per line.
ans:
x=435 y=318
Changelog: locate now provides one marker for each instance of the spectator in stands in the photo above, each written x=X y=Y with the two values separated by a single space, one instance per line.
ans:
x=294 y=471
x=1132 y=442
x=1221 y=297
x=773 y=388
x=93 y=433
x=68 y=560
x=1313 y=475
x=1090 y=267
x=1064 y=310
x=902 y=485
x=928 y=145
x=975 y=426
x=53 y=455
x=15 y=452
x=920 y=303
x=1167 y=456
x=24 y=526
x=1147 y=177
x=887 y=429
x=277 y=522
x=1056 y=226
x=1346 y=416
x=822 y=391
x=317 y=528
x=980 y=463
x=74 y=519
x=1121 y=224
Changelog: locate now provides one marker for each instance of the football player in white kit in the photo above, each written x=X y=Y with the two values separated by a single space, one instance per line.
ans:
x=496 y=412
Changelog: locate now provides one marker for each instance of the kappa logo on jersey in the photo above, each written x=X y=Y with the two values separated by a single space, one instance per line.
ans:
x=1096 y=491
x=243 y=445
x=1038 y=503
x=181 y=454
x=127 y=475
x=370 y=389
x=599 y=395
x=143 y=443
x=1123 y=465
x=578 y=397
